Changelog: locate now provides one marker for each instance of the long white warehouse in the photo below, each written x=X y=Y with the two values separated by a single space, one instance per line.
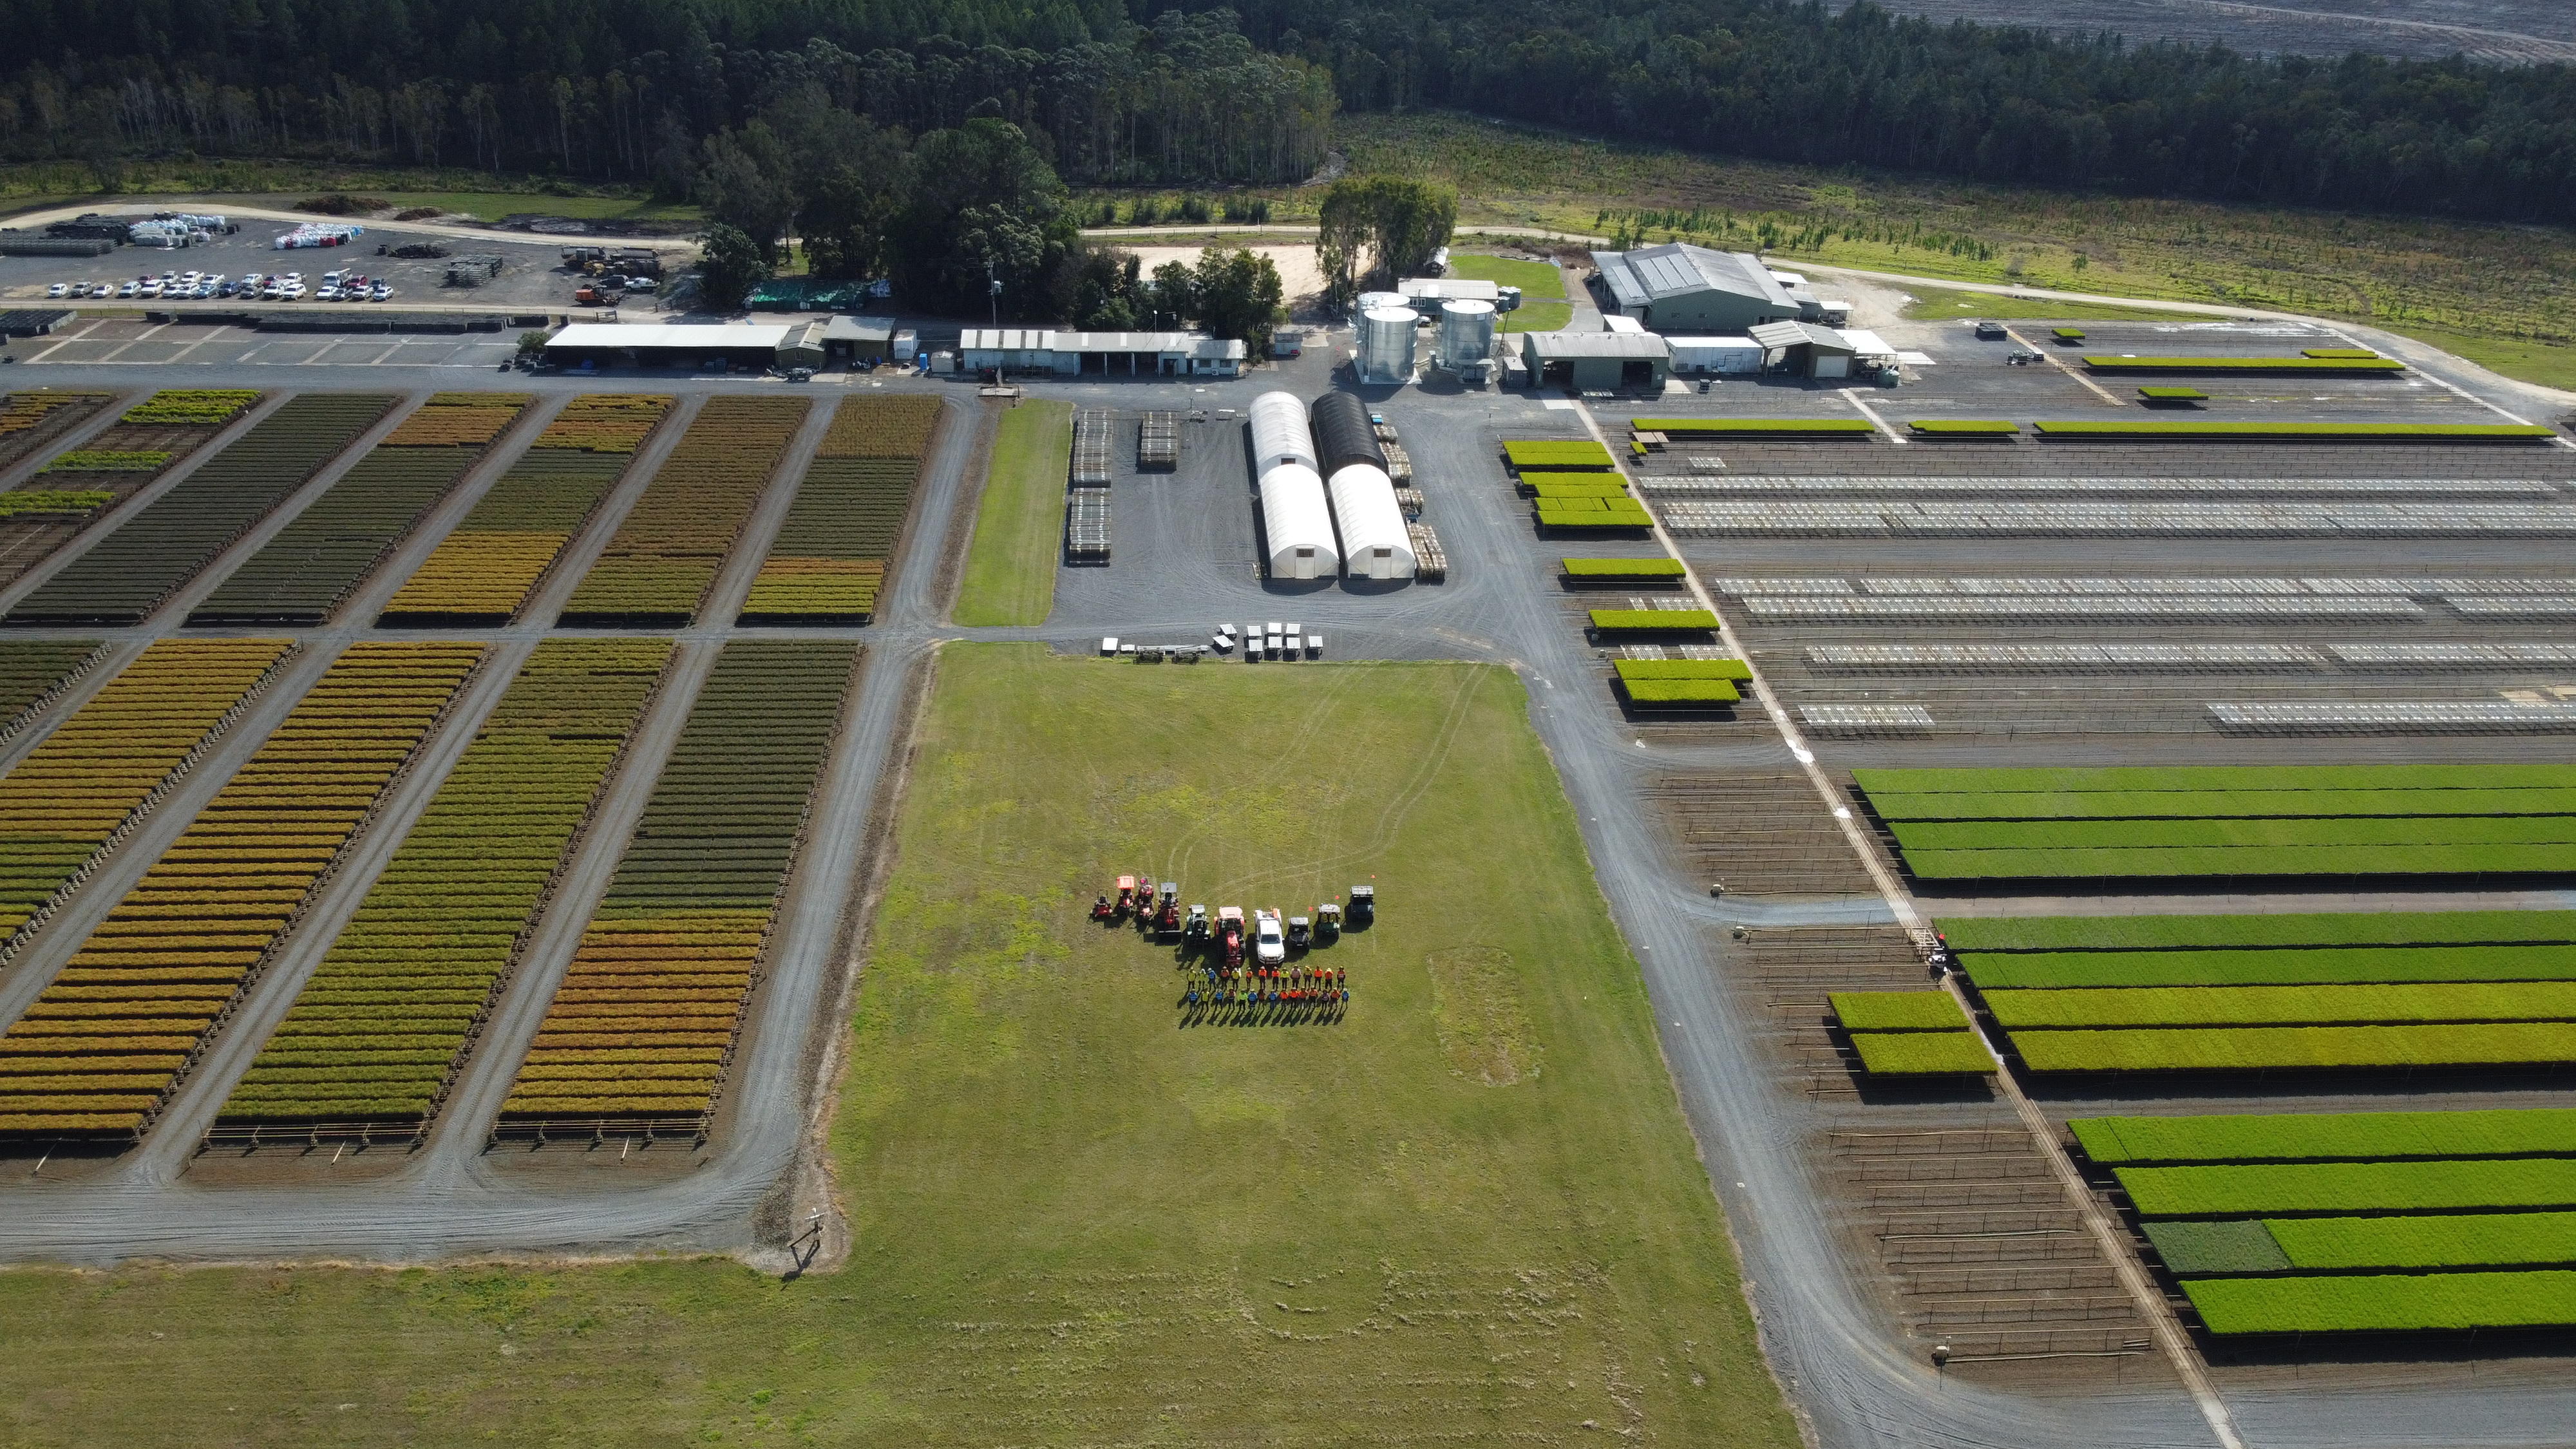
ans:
x=1294 y=524
x=1279 y=433
x=1374 y=542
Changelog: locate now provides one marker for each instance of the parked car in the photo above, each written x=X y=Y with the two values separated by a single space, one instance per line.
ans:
x=59 y=289
x=129 y=289
x=380 y=293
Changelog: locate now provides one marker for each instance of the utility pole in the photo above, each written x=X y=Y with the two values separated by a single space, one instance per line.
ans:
x=993 y=288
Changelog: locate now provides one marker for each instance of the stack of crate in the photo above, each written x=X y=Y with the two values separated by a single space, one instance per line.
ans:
x=1399 y=467
x=1091 y=448
x=1158 y=442
x=1086 y=526
x=1430 y=562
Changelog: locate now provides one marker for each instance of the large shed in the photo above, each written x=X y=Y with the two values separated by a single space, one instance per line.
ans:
x=1804 y=348
x=736 y=344
x=1683 y=288
x=1596 y=361
x=1296 y=527
x=1375 y=544
x=1070 y=354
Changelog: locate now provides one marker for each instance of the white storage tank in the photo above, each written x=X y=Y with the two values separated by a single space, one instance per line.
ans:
x=1371 y=301
x=1386 y=344
x=1279 y=433
x=1466 y=333
x=1296 y=529
x=1375 y=544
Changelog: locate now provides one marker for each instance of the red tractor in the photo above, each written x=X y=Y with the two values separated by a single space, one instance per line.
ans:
x=1127 y=898
x=1167 y=911
x=1229 y=935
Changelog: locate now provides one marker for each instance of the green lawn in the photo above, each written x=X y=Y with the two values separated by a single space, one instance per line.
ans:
x=1469 y=1211
x=1931 y=304
x=1535 y=279
x=493 y=205
x=1538 y=282
x=1010 y=568
x=2550 y=365
x=1538 y=317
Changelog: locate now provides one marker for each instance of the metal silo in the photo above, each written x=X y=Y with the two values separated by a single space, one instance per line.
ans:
x=1466 y=333
x=1386 y=344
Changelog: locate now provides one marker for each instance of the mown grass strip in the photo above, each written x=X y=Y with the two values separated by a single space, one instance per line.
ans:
x=2300 y=432
x=2324 y=965
x=2250 y=861
x=2297 y=1136
x=2481 y=1240
x=1963 y=428
x=2321 y=928
x=1613 y=569
x=2236 y=833
x=1010 y=566
x=2384 y=1303
x=2218 y=804
x=1568 y=454
x=2213 y=778
x=1653 y=621
x=2390 y=1004
x=1922 y=1053
x=2314 y=1189
x=1756 y=427
x=2310 y=363
x=2286 y=1048
x=1897 y=1011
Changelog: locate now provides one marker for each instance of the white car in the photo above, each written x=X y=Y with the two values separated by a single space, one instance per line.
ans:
x=59 y=289
x=1269 y=947
x=102 y=289
x=382 y=291
x=129 y=289
x=272 y=290
x=330 y=292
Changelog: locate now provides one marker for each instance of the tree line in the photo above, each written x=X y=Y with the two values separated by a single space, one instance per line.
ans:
x=1798 y=82
x=624 y=93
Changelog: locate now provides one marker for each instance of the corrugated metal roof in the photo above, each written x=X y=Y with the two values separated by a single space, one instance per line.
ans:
x=1677 y=269
x=1567 y=346
x=726 y=335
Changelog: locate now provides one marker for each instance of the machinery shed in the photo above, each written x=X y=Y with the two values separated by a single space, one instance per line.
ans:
x=1375 y=543
x=1804 y=348
x=1596 y=361
x=1296 y=527
x=849 y=339
x=1715 y=355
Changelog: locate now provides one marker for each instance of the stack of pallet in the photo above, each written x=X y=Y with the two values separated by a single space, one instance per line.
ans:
x=1410 y=500
x=1086 y=526
x=1158 y=442
x=1430 y=562
x=1399 y=467
x=1091 y=448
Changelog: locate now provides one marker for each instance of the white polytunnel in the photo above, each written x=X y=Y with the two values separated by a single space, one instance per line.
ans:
x=1279 y=433
x=1294 y=524
x=1374 y=542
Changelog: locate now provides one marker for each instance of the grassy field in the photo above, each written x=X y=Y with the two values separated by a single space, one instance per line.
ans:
x=1933 y=303
x=2511 y=289
x=1538 y=281
x=1470 y=1211
x=38 y=185
x=1010 y=567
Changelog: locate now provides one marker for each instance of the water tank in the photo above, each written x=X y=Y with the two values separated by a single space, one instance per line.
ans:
x=1279 y=433
x=1371 y=301
x=1466 y=333
x=1386 y=344
x=1344 y=435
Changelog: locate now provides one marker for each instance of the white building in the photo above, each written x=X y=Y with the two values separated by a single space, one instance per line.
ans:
x=1296 y=529
x=1070 y=354
x=1375 y=544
